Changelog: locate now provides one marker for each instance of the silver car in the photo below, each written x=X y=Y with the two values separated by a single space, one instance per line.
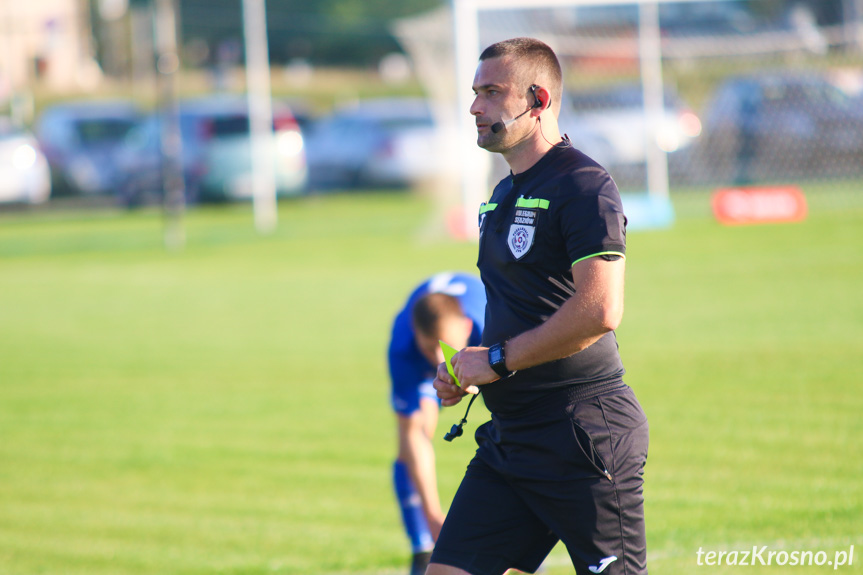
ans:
x=392 y=143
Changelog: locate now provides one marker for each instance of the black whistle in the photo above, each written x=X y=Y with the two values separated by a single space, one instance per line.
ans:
x=455 y=431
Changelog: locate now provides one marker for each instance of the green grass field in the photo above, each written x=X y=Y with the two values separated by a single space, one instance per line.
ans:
x=223 y=409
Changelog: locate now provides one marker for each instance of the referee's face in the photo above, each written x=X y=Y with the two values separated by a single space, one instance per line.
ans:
x=499 y=100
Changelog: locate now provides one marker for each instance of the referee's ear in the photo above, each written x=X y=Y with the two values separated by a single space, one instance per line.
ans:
x=543 y=98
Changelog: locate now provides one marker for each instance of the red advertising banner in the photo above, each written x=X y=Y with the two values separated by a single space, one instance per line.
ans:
x=755 y=205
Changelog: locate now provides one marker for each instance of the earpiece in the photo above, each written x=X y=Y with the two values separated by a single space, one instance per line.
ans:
x=537 y=103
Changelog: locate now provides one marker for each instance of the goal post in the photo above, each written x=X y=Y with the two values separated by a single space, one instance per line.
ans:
x=655 y=206
x=727 y=93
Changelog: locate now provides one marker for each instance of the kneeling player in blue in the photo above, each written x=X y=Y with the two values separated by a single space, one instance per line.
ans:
x=449 y=307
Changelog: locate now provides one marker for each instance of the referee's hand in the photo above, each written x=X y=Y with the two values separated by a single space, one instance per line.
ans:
x=448 y=392
x=471 y=367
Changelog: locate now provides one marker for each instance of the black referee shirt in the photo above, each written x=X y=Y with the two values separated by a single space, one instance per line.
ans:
x=535 y=227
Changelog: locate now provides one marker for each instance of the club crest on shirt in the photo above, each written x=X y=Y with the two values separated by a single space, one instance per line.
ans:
x=521 y=232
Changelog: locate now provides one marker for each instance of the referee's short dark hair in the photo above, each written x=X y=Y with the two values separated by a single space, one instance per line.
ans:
x=537 y=63
x=431 y=310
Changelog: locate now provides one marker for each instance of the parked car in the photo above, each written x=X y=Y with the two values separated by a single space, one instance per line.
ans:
x=677 y=19
x=24 y=173
x=80 y=140
x=585 y=138
x=378 y=143
x=216 y=153
x=617 y=115
x=781 y=125
x=722 y=18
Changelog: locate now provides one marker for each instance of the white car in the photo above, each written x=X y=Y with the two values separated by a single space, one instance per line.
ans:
x=617 y=116
x=216 y=155
x=24 y=173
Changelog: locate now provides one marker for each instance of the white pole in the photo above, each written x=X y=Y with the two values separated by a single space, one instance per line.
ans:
x=476 y=167
x=260 y=115
x=167 y=66
x=9 y=56
x=654 y=105
x=857 y=23
x=476 y=163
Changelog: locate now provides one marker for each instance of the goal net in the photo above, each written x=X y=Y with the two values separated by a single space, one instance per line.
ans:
x=673 y=98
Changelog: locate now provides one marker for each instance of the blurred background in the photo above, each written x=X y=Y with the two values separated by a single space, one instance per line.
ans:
x=107 y=100
x=221 y=406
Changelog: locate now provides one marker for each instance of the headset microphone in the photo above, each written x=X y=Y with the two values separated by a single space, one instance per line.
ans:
x=500 y=125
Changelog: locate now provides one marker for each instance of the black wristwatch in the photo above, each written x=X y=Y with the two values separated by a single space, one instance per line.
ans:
x=497 y=359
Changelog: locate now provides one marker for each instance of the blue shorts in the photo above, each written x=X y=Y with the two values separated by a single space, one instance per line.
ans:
x=405 y=399
x=567 y=469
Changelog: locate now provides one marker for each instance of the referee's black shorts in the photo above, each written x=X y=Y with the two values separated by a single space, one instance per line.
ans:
x=568 y=469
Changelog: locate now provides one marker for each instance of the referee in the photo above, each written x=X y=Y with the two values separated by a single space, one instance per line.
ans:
x=563 y=455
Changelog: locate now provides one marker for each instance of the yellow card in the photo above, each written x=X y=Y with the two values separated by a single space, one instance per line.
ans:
x=448 y=352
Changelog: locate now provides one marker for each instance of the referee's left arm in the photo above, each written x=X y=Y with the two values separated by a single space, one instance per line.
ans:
x=595 y=309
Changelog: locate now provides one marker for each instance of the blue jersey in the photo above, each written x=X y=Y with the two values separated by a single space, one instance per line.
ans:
x=410 y=372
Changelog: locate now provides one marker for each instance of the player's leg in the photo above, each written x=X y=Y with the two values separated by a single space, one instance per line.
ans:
x=593 y=499
x=410 y=505
x=627 y=426
x=438 y=569
x=415 y=432
x=489 y=529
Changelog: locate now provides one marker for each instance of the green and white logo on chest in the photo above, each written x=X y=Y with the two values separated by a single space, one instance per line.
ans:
x=523 y=228
x=522 y=232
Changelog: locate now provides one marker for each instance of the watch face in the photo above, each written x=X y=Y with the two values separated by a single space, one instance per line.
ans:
x=496 y=359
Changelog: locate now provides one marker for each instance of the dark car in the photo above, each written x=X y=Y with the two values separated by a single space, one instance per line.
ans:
x=80 y=141
x=780 y=126
x=216 y=153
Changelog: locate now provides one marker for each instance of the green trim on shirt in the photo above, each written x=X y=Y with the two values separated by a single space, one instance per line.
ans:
x=599 y=254
x=486 y=208
x=532 y=203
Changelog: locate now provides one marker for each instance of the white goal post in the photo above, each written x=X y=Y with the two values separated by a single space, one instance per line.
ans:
x=476 y=164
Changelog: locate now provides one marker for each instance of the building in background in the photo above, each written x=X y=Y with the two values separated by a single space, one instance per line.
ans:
x=46 y=41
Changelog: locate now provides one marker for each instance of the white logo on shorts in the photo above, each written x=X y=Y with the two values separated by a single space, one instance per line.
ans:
x=602 y=564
